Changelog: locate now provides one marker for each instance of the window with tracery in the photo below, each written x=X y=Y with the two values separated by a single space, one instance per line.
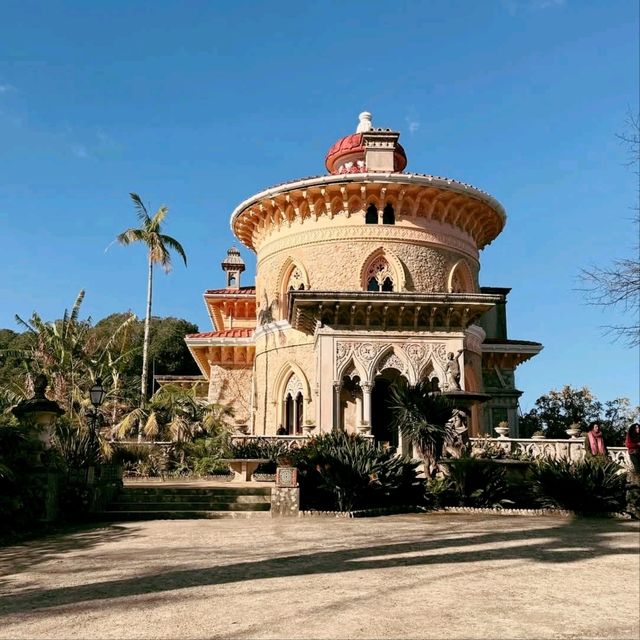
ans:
x=372 y=215
x=296 y=281
x=388 y=215
x=379 y=276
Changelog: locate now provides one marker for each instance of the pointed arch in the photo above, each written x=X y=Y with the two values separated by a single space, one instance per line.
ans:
x=348 y=367
x=383 y=270
x=292 y=276
x=371 y=215
x=460 y=278
x=290 y=380
x=432 y=372
x=392 y=358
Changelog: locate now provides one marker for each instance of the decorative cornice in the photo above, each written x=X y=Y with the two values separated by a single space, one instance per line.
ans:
x=412 y=195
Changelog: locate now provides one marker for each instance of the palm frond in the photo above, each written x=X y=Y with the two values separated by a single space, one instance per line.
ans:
x=176 y=246
x=141 y=210
x=130 y=236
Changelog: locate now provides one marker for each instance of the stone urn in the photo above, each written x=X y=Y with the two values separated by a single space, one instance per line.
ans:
x=538 y=436
x=307 y=429
x=502 y=429
x=573 y=431
x=38 y=413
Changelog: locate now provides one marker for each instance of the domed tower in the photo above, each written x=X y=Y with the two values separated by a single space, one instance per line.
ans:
x=368 y=274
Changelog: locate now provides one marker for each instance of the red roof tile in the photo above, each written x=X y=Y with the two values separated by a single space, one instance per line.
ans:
x=225 y=333
x=242 y=291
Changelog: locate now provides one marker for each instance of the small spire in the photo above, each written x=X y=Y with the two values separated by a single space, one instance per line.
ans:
x=364 y=123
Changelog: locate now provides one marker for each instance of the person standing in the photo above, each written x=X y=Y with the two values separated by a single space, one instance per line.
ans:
x=594 y=442
x=632 y=442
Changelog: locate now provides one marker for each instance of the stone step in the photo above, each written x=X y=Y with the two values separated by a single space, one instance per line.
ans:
x=191 y=499
x=195 y=491
x=118 y=516
x=189 y=506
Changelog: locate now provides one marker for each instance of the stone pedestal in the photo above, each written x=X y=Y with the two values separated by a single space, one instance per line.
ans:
x=285 y=502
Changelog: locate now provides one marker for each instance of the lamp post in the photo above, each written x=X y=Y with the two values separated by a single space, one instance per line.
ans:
x=96 y=395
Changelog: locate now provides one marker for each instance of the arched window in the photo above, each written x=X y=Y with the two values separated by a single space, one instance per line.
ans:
x=293 y=406
x=379 y=276
x=372 y=215
x=388 y=215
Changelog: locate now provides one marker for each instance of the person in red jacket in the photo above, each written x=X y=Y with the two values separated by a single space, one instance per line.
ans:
x=632 y=442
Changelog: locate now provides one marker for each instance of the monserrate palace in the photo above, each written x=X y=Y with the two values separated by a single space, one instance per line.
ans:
x=363 y=275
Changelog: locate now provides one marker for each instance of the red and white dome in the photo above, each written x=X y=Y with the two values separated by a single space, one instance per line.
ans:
x=347 y=155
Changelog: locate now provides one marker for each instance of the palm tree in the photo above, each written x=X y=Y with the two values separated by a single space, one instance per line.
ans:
x=177 y=414
x=158 y=246
x=423 y=417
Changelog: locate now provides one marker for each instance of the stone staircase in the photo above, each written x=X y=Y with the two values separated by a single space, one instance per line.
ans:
x=170 y=502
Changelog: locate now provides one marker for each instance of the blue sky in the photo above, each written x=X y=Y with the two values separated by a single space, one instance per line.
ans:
x=198 y=105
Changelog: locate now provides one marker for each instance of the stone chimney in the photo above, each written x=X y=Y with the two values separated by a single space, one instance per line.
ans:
x=233 y=266
x=380 y=149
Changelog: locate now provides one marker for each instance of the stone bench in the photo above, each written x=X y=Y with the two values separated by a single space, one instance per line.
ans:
x=243 y=468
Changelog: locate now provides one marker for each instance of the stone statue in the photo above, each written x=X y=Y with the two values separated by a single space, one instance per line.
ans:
x=452 y=371
x=460 y=441
x=40 y=384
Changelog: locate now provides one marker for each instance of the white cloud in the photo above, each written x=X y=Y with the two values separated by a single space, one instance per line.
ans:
x=6 y=88
x=80 y=151
x=413 y=124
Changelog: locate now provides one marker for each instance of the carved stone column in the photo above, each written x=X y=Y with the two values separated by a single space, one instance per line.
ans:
x=366 y=402
x=337 y=388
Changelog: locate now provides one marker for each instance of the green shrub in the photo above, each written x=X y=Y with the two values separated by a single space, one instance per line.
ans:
x=210 y=467
x=474 y=482
x=592 y=485
x=339 y=471
x=269 y=449
x=268 y=468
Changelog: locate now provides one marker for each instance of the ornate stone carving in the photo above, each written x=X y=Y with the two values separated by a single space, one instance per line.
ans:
x=415 y=352
x=294 y=387
x=372 y=233
x=367 y=351
x=391 y=361
x=439 y=352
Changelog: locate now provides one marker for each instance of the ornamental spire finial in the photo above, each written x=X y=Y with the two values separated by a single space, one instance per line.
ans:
x=364 y=123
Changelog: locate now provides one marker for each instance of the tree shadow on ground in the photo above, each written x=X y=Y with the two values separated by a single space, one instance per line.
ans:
x=74 y=537
x=564 y=543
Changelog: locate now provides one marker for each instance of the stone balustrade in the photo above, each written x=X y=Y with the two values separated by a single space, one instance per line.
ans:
x=570 y=448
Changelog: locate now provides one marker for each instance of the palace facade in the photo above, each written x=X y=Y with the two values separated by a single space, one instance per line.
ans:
x=363 y=275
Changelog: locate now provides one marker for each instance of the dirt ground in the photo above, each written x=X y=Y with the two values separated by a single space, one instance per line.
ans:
x=405 y=576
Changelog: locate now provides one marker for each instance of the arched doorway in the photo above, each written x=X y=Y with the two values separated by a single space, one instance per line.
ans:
x=380 y=413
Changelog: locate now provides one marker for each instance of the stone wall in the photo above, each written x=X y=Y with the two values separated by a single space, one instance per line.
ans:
x=232 y=386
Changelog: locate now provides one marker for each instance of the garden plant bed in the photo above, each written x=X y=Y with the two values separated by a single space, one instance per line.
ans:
x=228 y=477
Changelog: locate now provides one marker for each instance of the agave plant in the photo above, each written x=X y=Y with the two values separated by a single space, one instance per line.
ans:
x=587 y=486
x=422 y=416
x=343 y=471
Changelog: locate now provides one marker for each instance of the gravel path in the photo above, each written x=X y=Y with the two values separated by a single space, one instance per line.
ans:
x=405 y=576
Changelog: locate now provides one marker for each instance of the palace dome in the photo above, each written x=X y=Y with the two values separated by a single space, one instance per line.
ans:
x=347 y=155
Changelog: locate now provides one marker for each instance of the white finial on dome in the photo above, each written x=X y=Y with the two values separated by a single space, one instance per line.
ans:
x=365 y=122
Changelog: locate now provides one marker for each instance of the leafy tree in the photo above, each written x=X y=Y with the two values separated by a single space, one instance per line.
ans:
x=158 y=252
x=423 y=417
x=68 y=354
x=555 y=411
x=618 y=284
